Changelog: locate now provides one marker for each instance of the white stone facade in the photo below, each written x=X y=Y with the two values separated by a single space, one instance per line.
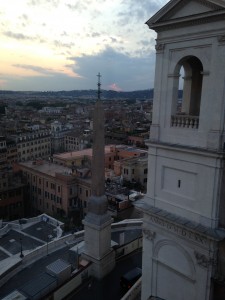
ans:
x=183 y=210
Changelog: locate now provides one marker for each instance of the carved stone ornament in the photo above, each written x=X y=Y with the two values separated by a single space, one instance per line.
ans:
x=221 y=38
x=159 y=47
x=203 y=260
x=150 y=235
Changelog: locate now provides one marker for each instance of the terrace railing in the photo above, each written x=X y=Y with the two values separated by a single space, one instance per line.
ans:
x=185 y=121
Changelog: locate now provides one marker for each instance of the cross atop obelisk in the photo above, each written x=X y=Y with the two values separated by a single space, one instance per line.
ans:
x=99 y=86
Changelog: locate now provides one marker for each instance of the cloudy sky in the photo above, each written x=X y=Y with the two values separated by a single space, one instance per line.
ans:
x=62 y=44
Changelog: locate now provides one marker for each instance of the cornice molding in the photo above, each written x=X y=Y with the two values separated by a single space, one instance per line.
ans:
x=188 y=21
x=181 y=227
x=174 y=5
x=180 y=230
x=183 y=3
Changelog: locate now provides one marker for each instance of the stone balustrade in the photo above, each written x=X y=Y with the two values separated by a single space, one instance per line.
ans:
x=185 y=121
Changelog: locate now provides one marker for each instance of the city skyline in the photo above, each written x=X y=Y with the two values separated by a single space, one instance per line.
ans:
x=60 y=45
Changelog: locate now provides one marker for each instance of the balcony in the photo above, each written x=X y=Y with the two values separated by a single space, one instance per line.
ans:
x=185 y=121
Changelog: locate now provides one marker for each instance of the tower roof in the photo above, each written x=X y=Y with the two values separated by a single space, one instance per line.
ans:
x=185 y=11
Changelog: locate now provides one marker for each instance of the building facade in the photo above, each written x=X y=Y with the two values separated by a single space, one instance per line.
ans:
x=184 y=219
x=12 y=204
x=31 y=146
x=51 y=188
x=135 y=170
x=75 y=141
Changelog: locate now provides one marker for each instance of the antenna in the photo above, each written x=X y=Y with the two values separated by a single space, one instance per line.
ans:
x=99 y=86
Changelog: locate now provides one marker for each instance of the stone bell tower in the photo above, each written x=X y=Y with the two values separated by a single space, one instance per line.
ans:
x=184 y=209
x=97 y=223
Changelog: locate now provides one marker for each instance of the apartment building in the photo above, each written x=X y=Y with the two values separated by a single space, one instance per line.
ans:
x=12 y=155
x=135 y=170
x=3 y=153
x=33 y=145
x=52 y=188
x=11 y=187
x=75 y=141
x=12 y=191
x=58 y=133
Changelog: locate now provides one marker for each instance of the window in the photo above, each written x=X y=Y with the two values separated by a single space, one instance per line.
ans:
x=186 y=106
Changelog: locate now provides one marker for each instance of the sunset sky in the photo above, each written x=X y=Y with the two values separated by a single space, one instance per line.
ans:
x=62 y=44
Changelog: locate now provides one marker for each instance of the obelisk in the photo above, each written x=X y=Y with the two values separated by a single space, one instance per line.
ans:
x=97 y=223
x=98 y=158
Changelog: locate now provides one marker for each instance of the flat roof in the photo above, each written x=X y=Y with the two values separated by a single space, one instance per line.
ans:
x=42 y=231
x=58 y=266
x=38 y=284
x=76 y=154
x=47 y=168
x=15 y=295
x=11 y=242
x=3 y=255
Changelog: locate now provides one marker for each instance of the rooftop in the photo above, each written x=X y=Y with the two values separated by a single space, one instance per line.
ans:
x=46 y=167
x=31 y=278
x=76 y=154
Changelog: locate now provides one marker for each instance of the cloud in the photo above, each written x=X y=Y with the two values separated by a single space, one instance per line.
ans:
x=129 y=73
x=55 y=82
x=119 y=72
x=53 y=3
x=95 y=34
x=114 y=87
x=78 y=6
x=137 y=10
x=18 y=36
x=40 y=70
x=3 y=83
x=60 y=44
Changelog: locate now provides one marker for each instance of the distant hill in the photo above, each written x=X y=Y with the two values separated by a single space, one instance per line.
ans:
x=144 y=94
x=82 y=94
